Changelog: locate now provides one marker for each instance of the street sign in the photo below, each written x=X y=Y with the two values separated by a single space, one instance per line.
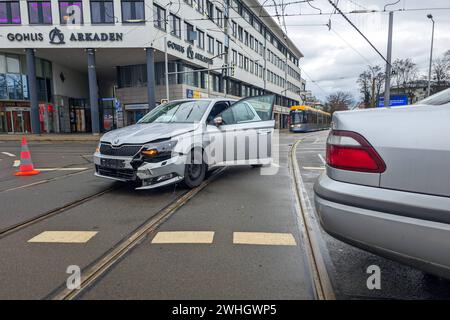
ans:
x=395 y=101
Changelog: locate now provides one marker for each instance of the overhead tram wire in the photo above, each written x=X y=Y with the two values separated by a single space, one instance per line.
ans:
x=359 y=31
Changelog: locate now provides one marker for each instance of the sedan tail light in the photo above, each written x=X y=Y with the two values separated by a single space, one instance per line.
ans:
x=349 y=150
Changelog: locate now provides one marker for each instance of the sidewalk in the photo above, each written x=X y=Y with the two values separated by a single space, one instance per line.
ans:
x=51 y=137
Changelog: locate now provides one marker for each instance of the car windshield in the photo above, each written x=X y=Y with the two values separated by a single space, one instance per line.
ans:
x=437 y=99
x=177 y=112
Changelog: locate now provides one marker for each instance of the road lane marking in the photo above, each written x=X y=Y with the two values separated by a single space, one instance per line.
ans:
x=63 y=237
x=16 y=163
x=314 y=168
x=9 y=154
x=264 y=238
x=321 y=158
x=61 y=169
x=183 y=237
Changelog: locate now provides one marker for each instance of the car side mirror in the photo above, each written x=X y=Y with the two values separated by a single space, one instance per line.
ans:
x=218 y=121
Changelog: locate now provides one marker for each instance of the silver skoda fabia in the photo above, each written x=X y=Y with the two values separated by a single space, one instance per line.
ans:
x=181 y=140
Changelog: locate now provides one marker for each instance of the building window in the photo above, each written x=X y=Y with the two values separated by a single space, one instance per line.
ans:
x=40 y=12
x=189 y=32
x=10 y=12
x=246 y=64
x=210 y=44
x=219 y=48
x=70 y=12
x=133 y=11
x=240 y=34
x=132 y=76
x=159 y=17
x=241 y=60
x=234 y=57
x=199 y=5
x=210 y=10
x=219 y=17
x=246 y=15
x=234 y=28
x=201 y=39
x=175 y=25
x=102 y=11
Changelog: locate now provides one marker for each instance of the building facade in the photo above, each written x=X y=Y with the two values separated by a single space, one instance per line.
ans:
x=95 y=65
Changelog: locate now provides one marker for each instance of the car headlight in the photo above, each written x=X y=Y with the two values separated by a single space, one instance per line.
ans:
x=157 y=149
x=97 y=149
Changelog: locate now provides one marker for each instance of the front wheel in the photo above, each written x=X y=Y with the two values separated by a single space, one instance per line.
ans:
x=195 y=170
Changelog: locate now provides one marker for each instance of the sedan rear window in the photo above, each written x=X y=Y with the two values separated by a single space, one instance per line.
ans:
x=437 y=99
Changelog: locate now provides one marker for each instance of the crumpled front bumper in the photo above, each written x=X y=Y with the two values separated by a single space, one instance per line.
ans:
x=149 y=175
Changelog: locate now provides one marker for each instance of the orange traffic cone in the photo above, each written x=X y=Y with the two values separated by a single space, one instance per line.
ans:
x=26 y=165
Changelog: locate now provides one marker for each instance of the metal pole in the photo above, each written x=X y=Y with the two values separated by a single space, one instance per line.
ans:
x=166 y=67
x=151 y=78
x=431 y=59
x=209 y=85
x=34 y=107
x=93 y=92
x=387 y=85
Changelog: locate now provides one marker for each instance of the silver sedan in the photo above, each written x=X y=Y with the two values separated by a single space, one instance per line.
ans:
x=386 y=188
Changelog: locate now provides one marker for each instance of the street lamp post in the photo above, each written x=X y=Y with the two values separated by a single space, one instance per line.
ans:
x=429 y=16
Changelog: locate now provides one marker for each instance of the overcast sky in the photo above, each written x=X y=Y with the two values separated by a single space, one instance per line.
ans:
x=330 y=62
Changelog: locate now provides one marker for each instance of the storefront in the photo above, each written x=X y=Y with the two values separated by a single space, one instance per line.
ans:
x=15 y=117
x=134 y=112
x=80 y=116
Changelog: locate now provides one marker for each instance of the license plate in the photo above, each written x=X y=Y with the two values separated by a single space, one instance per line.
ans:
x=112 y=163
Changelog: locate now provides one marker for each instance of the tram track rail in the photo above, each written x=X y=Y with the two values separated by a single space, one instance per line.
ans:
x=307 y=224
x=53 y=212
x=96 y=270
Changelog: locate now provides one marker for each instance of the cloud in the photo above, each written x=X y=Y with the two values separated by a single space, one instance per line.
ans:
x=334 y=59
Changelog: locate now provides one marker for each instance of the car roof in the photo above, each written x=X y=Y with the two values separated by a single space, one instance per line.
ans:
x=204 y=99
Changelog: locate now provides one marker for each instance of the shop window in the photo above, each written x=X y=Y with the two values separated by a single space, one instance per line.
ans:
x=9 y=12
x=132 y=76
x=102 y=11
x=40 y=12
x=70 y=12
x=133 y=11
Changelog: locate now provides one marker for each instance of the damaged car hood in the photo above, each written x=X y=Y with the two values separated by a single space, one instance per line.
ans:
x=141 y=133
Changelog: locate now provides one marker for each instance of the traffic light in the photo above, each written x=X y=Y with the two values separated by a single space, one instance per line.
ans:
x=224 y=70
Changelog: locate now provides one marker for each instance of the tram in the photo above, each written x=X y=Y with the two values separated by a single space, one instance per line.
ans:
x=304 y=119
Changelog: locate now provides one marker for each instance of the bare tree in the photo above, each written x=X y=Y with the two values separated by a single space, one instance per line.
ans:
x=405 y=71
x=441 y=71
x=405 y=74
x=370 y=84
x=339 y=101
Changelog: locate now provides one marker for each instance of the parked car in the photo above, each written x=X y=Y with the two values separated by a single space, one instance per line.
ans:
x=386 y=188
x=181 y=140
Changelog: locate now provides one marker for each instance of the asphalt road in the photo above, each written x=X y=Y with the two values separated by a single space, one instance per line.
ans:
x=238 y=238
